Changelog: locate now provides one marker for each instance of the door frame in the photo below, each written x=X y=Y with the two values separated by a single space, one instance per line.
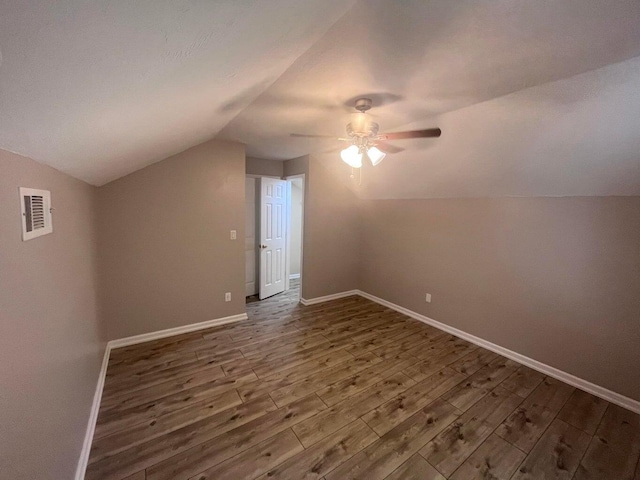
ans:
x=301 y=176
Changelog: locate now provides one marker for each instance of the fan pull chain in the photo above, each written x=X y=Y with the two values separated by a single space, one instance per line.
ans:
x=353 y=175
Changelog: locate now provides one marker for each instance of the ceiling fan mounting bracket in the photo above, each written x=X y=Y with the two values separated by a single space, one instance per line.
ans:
x=363 y=104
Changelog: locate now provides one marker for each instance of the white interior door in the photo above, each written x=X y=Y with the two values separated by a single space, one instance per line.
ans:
x=273 y=203
x=250 y=243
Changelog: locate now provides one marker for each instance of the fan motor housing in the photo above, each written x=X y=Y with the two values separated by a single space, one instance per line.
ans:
x=371 y=131
x=363 y=104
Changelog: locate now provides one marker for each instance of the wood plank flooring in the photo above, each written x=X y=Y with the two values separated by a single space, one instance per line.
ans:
x=343 y=390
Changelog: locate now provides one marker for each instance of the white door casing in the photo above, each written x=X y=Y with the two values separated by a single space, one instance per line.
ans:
x=273 y=203
x=298 y=229
x=287 y=240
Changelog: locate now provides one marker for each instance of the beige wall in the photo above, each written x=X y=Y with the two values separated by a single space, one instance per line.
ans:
x=51 y=343
x=296 y=226
x=166 y=259
x=555 y=279
x=267 y=168
x=330 y=254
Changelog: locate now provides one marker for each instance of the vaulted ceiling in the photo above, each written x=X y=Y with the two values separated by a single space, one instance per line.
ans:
x=101 y=88
x=534 y=97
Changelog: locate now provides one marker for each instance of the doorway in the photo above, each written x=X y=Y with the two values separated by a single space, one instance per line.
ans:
x=274 y=237
x=296 y=221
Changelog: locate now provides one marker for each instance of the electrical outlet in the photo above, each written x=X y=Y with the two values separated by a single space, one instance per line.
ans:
x=428 y=298
x=227 y=297
x=233 y=235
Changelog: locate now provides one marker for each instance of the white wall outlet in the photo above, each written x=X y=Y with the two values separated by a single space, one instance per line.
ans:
x=227 y=297
x=233 y=235
x=428 y=298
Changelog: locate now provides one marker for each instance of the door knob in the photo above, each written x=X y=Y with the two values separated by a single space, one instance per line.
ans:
x=263 y=246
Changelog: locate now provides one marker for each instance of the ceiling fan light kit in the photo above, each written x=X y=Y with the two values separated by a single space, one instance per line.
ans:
x=375 y=155
x=362 y=134
x=352 y=156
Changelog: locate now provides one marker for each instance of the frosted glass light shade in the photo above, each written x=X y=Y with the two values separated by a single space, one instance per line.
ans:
x=352 y=156
x=375 y=155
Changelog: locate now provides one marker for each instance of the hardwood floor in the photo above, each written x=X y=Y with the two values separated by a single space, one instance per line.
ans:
x=346 y=389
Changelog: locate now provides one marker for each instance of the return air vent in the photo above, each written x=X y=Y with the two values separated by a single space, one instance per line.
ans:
x=36 y=213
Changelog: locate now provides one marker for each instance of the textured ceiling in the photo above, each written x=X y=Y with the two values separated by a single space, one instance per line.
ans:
x=100 y=89
x=573 y=137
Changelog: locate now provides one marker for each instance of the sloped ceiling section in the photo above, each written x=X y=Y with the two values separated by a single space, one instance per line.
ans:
x=424 y=59
x=535 y=97
x=572 y=137
x=99 y=89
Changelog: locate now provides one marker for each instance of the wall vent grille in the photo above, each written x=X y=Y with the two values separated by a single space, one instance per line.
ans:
x=36 y=213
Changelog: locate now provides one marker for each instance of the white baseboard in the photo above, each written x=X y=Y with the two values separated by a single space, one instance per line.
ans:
x=170 y=332
x=293 y=276
x=123 y=342
x=608 y=395
x=326 y=298
x=597 y=390
x=93 y=416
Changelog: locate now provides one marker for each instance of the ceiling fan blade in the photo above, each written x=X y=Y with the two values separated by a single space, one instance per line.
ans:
x=427 y=133
x=388 y=148
x=302 y=135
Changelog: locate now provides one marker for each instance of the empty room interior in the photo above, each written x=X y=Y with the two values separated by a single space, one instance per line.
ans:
x=320 y=239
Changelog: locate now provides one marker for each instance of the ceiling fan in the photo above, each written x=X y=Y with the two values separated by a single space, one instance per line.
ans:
x=363 y=137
